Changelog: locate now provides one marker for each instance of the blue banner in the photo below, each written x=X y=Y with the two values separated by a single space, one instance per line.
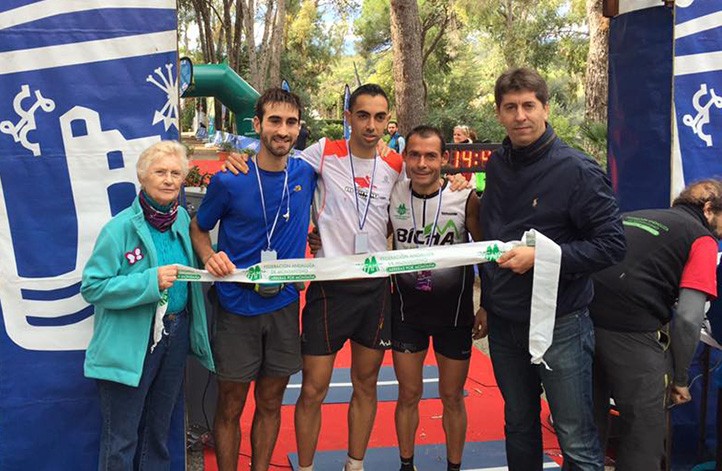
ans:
x=640 y=97
x=697 y=91
x=696 y=150
x=86 y=86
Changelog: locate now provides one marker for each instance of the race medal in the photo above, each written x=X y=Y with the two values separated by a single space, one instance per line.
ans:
x=361 y=243
x=361 y=240
x=269 y=256
x=423 y=280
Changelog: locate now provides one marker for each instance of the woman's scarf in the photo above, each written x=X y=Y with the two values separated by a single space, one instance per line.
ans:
x=160 y=217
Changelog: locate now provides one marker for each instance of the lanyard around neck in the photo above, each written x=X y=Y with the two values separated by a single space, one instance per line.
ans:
x=284 y=192
x=361 y=216
x=429 y=240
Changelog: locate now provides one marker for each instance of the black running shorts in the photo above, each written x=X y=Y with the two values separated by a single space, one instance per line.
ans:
x=449 y=341
x=248 y=347
x=336 y=311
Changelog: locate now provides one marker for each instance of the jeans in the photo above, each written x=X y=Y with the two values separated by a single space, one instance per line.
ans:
x=136 y=420
x=568 y=387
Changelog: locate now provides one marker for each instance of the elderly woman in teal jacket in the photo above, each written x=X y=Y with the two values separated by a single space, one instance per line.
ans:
x=146 y=322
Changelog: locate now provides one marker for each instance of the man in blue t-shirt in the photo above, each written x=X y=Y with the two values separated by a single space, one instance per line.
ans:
x=263 y=216
x=397 y=141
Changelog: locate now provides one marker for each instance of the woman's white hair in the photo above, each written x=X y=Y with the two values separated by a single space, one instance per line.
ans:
x=158 y=150
x=463 y=128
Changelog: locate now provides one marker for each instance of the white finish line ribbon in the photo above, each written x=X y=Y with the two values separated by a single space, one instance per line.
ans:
x=547 y=262
x=545 y=284
x=371 y=265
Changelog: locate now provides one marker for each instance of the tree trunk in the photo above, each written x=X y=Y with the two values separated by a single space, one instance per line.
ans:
x=205 y=27
x=596 y=81
x=509 y=49
x=264 y=57
x=249 y=12
x=408 y=73
x=234 y=55
x=275 y=46
x=204 y=17
x=227 y=31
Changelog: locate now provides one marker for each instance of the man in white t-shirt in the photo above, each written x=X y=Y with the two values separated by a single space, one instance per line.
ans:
x=438 y=305
x=351 y=213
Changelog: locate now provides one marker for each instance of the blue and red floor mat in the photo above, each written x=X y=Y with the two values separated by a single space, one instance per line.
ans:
x=484 y=448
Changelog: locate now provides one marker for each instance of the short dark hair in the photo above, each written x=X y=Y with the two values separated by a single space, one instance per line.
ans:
x=426 y=131
x=366 y=89
x=277 y=95
x=700 y=192
x=393 y=121
x=519 y=80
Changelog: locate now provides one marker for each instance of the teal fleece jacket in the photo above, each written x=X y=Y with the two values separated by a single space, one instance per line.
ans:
x=121 y=280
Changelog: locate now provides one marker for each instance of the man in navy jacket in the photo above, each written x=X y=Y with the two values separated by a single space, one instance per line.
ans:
x=536 y=181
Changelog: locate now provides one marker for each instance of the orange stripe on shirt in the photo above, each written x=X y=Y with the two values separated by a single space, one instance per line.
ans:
x=394 y=160
x=337 y=148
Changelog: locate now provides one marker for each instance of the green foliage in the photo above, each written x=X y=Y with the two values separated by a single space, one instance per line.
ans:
x=564 y=124
x=463 y=95
x=482 y=120
x=226 y=146
x=197 y=178
x=594 y=141
x=481 y=39
x=249 y=152
x=189 y=150
x=373 y=27
x=328 y=98
x=528 y=33
x=589 y=137
x=332 y=131
x=311 y=49
x=186 y=116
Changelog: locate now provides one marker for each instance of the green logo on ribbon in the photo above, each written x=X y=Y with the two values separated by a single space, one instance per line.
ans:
x=493 y=253
x=188 y=276
x=371 y=266
x=254 y=273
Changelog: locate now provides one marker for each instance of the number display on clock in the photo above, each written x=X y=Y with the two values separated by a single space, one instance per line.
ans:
x=470 y=157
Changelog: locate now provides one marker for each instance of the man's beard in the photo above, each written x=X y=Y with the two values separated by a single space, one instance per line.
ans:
x=712 y=226
x=278 y=151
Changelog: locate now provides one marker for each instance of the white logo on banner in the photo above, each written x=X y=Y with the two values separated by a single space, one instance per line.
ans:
x=20 y=130
x=683 y=3
x=702 y=118
x=169 y=113
x=90 y=177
